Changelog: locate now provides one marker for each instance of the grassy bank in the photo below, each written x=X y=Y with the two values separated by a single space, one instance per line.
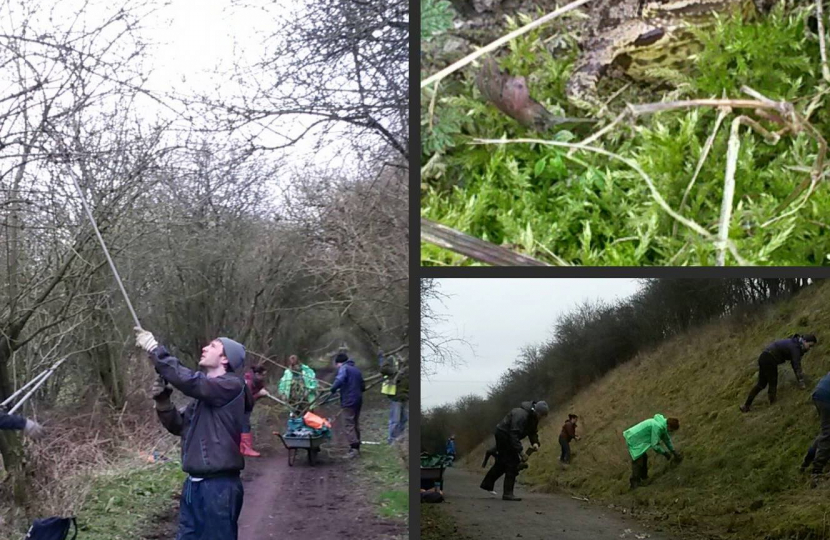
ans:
x=122 y=505
x=739 y=479
x=382 y=467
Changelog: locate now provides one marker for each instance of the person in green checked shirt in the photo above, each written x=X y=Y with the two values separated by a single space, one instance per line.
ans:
x=298 y=384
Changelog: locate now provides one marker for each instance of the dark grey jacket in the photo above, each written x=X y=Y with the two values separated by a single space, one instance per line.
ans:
x=788 y=350
x=519 y=423
x=11 y=421
x=211 y=426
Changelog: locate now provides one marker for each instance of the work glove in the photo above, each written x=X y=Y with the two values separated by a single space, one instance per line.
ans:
x=536 y=446
x=161 y=390
x=145 y=339
x=668 y=456
x=523 y=456
x=32 y=429
x=161 y=394
x=678 y=457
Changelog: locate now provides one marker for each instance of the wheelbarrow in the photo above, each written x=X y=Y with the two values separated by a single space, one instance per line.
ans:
x=432 y=471
x=431 y=476
x=294 y=444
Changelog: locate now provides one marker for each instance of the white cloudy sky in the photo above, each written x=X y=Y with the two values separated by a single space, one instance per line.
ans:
x=500 y=316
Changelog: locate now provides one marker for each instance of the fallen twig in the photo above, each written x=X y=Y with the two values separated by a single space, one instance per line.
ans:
x=472 y=247
x=501 y=41
x=732 y=150
x=601 y=132
x=707 y=147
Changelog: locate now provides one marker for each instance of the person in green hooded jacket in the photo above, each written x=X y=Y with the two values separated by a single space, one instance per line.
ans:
x=298 y=384
x=648 y=435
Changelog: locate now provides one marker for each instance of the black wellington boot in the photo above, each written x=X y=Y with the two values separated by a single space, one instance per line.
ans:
x=509 y=483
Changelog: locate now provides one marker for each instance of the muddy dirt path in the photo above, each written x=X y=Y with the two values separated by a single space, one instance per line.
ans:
x=539 y=516
x=321 y=501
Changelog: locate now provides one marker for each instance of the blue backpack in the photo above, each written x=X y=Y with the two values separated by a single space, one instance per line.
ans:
x=53 y=528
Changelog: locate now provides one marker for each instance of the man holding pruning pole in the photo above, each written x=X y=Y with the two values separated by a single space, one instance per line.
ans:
x=211 y=430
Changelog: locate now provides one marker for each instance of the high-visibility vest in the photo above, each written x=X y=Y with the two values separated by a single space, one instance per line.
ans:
x=390 y=386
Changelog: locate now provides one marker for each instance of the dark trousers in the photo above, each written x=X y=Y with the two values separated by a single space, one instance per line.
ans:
x=767 y=375
x=209 y=509
x=565 y=456
x=639 y=470
x=822 y=442
x=246 y=423
x=507 y=464
x=351 y=422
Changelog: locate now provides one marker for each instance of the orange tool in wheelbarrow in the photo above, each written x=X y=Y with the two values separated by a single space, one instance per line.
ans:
x=308 y=432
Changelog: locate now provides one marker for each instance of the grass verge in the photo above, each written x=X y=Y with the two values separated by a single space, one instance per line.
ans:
x=381 y=465
x=121 y=505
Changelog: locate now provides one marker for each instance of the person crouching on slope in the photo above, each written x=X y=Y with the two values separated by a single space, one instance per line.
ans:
x=778 y=352
x=519 y=423
x=211 y=429
x=645 y=436
x=819 y=453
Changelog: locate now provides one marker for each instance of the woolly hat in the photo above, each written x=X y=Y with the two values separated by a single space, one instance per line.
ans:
x=234 y=352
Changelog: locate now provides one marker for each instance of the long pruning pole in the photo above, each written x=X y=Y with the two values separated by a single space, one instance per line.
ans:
x=104 y=248
x=41 y=379
x=24 y=387
x=106 y=252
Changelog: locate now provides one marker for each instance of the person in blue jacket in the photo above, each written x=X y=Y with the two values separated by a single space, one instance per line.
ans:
x=778 y=352
x=819 y=453
x=450 y=450
x=349 y=382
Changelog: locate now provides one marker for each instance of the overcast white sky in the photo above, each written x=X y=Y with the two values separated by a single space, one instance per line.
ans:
x=499 y=317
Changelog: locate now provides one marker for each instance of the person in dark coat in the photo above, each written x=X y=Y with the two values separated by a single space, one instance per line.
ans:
x=349 y=382
x=13 y=422
x=819 y=453
x=778 y=352
x=211 y=430
x=519 y=423
x=567 y=434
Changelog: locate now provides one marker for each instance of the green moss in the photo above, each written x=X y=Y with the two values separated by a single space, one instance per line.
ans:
x=588 y=209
